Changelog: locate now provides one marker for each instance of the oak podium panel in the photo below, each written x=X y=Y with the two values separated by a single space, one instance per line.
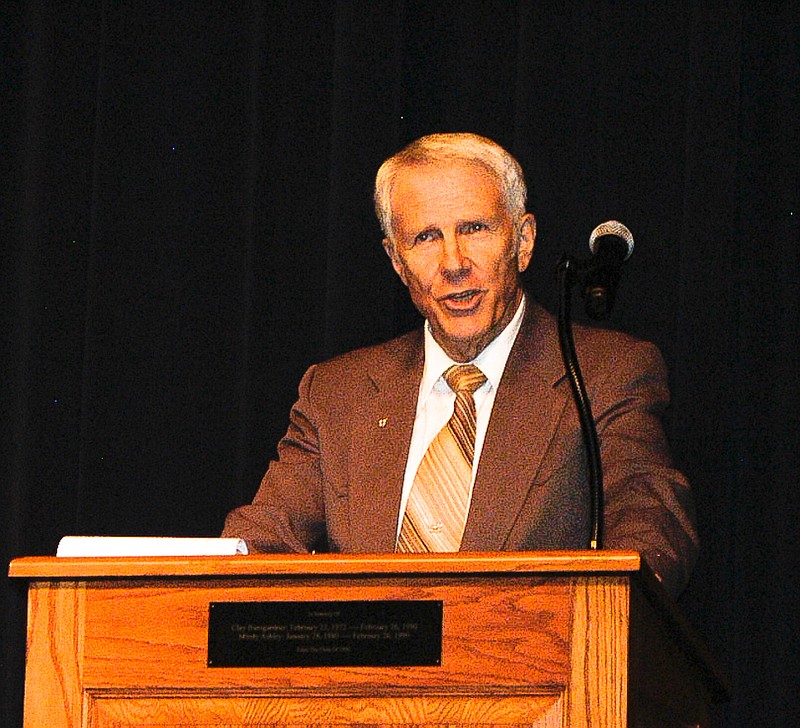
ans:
x=537 y=639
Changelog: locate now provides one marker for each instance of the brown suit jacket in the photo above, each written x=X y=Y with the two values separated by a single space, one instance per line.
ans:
x=337 y=482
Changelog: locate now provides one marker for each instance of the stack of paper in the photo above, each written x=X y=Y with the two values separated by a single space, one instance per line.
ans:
x=149 y=546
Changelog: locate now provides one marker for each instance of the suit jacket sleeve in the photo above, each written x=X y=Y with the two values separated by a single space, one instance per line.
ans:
x=288 y=512
x=648 y=503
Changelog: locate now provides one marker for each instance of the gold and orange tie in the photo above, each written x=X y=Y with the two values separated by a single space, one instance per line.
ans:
x=436 y=512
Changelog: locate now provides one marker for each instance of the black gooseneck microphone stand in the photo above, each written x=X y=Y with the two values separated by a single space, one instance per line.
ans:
x=569 y=272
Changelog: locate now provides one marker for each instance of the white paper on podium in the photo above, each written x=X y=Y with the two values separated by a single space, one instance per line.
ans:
x=149 y=546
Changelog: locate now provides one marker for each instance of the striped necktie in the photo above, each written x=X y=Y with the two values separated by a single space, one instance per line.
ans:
x=436 y=512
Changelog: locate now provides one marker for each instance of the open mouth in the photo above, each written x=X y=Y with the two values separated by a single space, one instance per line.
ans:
x=463 y=301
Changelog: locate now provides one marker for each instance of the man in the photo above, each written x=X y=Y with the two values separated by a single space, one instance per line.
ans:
x=381 y=454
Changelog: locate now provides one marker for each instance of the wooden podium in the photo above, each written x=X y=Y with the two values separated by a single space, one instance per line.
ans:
x=544 y=639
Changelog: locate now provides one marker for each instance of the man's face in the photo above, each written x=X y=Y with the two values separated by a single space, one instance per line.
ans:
x=459 y=252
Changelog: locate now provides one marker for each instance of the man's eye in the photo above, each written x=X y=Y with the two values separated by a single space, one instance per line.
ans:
x=475 y=227
x=425 y=236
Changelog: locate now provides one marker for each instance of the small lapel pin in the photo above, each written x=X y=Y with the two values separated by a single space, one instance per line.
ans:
x=382 y=421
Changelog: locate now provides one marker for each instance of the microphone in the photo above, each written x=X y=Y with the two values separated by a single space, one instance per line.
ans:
x=611 y=244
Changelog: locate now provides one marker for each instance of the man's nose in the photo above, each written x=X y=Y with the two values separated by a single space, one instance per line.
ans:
x=454 y=254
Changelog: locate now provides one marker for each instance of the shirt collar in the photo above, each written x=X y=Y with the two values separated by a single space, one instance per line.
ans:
x=491 y=361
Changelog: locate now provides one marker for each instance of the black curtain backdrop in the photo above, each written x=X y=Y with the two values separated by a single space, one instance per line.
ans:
x=187 y=225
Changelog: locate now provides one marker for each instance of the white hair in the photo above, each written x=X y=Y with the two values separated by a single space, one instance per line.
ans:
x=446 y=148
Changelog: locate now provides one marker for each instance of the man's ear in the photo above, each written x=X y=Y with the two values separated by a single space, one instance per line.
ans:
x=526 y=239
x=388 y=246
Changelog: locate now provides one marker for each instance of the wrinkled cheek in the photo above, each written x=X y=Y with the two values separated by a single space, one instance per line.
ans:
x=419 y=296
x=416 y=286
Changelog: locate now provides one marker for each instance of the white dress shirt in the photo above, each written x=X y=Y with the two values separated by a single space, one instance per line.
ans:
x=436 y=399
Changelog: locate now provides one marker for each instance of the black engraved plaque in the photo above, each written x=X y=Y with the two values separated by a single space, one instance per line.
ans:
x=324 y=634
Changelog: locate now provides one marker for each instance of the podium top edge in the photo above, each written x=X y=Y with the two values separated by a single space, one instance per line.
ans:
x=254 y=565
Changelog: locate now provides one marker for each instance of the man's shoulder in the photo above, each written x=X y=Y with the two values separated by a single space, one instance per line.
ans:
x=611 y=350
x=396 y=355
x=596 y=346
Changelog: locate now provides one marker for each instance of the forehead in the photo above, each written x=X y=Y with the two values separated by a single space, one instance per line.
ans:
x=441 y=192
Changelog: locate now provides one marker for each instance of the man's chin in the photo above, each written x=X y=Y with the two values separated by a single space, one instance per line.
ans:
x=462 y=343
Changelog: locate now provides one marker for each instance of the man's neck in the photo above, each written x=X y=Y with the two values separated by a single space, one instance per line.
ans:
x=437 y=359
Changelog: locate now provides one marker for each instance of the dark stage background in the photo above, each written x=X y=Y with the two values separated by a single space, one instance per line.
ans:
x=187 y=225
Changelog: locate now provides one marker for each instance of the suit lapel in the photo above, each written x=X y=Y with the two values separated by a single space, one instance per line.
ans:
x=526 y=412
x=381 y=439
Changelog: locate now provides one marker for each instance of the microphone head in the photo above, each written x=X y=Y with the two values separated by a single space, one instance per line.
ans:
x=615 y=229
